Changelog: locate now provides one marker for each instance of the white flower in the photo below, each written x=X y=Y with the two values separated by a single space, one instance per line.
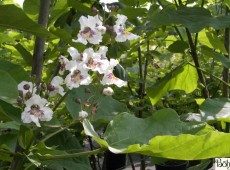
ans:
x=63 y=61
x=74 y=54
x=36 y=110
x=78 y=75
x=109 y=78
x=83 y=114
x=91 y=30
x=102 y=51
x=26 y=87
x=92 y=60
x=108 y=91
x=122 y=33
x=56 y=83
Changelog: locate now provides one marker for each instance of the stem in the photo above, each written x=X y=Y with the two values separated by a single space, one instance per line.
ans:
x=225 y=72
x=131 y=162
x=141 y=85
x=93 y=159
x=142 y=162
x=40 y=43
x=72 y=155
x=197 y=64
x=58 y=131
x=61 y=100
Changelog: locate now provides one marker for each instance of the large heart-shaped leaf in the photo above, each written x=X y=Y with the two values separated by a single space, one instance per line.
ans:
x=188 y=17
x=162 y=135
x=182 y=78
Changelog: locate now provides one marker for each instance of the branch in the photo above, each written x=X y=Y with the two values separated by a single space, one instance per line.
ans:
x=72 y=155
x=197 y=64
x=40 y=43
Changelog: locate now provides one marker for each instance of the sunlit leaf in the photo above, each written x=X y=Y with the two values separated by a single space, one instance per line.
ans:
x=182 y=78
x=162 y=135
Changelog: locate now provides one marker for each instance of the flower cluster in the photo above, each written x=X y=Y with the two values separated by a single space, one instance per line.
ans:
x=78 y=70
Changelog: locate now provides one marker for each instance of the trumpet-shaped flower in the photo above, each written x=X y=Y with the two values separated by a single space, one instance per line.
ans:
x=78 y=75
x=36 y=110
x=92 y=60
x=56 y=84
x=109 y=78
x=91 y=30
x=75 y=54
x=121 y=33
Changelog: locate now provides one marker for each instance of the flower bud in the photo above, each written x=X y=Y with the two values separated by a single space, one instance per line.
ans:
x=43 y=86
x=20 y=93
x=78 y=100
x=83 y=114
x=108 y=91
x=87 y=103
x=50 y=87
x=94 y=10
x=112 y=7
x=28 y=95
x=26 y=86
x=87 y=90
x=19 y=100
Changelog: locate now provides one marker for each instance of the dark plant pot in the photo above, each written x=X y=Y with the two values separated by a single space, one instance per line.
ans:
x=113 y=161
x=172 y=165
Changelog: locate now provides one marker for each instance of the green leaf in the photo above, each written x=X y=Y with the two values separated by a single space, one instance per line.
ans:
x=5 y=38
x=10 y=125
x=31 y=8
x=82 y=7
x=25 y=54
x=89 y=130
x=63 y=143
x=60 y=8
x=13 y=17
x=133 y=13
x=9 y=113
x=10 y=140
x=182 y=78
x=162 y=135
x=64 y=35
x=25 y=137
x=212 y=41
x=5 y=156
x=187 y=16
x=12 y=69
x=8 y=88
x=216 y=110
x=217 y=56
x=95 y=98
x=178 y=47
